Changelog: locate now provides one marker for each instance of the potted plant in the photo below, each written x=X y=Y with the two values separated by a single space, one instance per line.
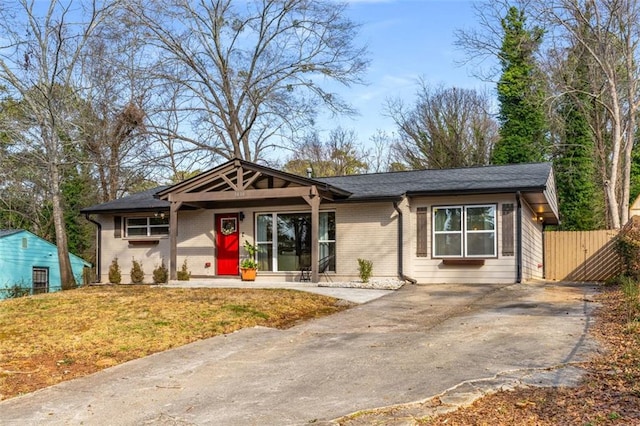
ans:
x=248 y=265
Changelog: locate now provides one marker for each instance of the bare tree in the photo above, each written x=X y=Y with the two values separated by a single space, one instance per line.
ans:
x=251 y=72
x=115 y=92
x=39 y=65
x=380 y=159
x=609 y=33
x=339 y=155
x=447 y=127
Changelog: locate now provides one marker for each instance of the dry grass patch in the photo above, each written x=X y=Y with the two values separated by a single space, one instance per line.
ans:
x=54 y=337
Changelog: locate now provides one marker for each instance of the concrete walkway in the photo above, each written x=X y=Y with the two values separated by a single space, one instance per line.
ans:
x=355 y=295
x=414 y=343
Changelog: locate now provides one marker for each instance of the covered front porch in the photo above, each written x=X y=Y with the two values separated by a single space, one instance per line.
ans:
x=238 y=186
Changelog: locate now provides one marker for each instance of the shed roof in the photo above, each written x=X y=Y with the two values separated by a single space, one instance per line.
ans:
x=5 y=232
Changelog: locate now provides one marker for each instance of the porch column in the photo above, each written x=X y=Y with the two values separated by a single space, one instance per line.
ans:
x=173 y=239
x=313 y=199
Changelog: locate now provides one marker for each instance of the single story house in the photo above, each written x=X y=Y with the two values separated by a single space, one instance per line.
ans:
x=477 y=224
x=31 y=263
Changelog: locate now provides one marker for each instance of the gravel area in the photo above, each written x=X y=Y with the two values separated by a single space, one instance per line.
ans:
x=376 y=284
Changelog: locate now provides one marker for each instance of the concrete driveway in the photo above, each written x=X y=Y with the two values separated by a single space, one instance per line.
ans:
x=407 y=346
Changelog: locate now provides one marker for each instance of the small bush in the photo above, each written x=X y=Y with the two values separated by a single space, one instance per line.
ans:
x=137 y=274
x=631 y=290
x=365 y=268
x=183 y=273
x=115 y=275
x=17 y=290
x=160 y=274
x=628 y=247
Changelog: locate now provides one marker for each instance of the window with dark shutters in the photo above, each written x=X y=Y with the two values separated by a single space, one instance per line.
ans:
x=117 y=227
x=422 y=239
x=508 y=246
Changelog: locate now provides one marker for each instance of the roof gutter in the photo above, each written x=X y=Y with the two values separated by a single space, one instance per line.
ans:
x=477 y=191
x=400 y=247
x=98 y=247
x=519 y=238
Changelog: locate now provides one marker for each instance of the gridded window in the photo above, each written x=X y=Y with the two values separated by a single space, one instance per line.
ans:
x=40 y=278
x=147 y=226
x=284 y=240
x=464 y=231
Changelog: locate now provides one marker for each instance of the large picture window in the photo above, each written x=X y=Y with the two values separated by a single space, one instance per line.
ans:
x=284 y=240
x=464 y=231
x=147 y=226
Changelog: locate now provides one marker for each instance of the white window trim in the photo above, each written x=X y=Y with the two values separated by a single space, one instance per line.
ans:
x=274 y=239
x=148 y=228
x=463 y=232
x=460 y=232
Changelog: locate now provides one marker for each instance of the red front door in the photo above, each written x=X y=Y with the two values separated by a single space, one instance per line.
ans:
x=228 y=244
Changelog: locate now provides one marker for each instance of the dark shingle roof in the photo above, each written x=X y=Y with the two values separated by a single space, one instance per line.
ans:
x=508 y=178
x=5 y=232
x=487 y=179
x=144 y=200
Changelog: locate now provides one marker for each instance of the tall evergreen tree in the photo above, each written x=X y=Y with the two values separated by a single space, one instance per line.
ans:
x=581 y=206
x=582 y=200
x=523 y=134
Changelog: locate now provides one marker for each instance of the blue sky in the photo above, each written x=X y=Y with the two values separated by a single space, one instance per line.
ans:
x=407 y=39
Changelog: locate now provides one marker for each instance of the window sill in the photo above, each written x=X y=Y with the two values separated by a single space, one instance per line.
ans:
x=463 y=262
x=143 y=242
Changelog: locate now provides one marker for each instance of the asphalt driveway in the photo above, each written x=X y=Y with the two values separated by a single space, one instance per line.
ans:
x=407 y=346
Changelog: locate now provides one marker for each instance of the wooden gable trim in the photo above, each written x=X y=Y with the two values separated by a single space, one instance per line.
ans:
x=252 y=194
x=238 y=175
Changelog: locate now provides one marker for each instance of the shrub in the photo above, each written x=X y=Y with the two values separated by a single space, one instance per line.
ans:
x=17 y=290
x=137 y=274
x=183 y=273
x=631 y=291
x=160 y=274
x=365 y=268
x=628 y=247
x=115 y=275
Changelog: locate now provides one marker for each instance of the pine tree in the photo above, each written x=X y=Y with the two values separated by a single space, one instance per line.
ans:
x=523 y=135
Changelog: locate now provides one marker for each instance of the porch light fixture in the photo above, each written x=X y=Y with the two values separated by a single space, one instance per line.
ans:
x=241 y=216
x=159 y=214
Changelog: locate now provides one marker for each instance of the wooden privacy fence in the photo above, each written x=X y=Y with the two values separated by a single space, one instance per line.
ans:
x=580 y=255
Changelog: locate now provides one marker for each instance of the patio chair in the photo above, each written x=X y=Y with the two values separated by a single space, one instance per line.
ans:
x=323 y=266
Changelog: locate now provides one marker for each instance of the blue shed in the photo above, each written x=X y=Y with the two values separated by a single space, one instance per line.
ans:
x=31 y=262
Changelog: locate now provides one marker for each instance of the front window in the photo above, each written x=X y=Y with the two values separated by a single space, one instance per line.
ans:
x=464 y=231
x=289 y=247
x=147 y=226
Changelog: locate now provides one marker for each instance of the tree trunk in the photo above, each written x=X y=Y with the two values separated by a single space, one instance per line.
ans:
x=67 y=279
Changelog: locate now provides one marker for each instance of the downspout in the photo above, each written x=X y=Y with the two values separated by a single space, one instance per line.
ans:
x=400 y=247
x=518 y=238
x=98 y=247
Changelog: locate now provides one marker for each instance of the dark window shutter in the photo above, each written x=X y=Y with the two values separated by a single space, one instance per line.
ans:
x=117 y=227
x=507 y=230
x=422 y=238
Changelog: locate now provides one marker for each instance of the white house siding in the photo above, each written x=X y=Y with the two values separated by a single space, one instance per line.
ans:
x=367 y=231
x=432 y=271
x=196 y=242
x=532 y=250
x=150 y=256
